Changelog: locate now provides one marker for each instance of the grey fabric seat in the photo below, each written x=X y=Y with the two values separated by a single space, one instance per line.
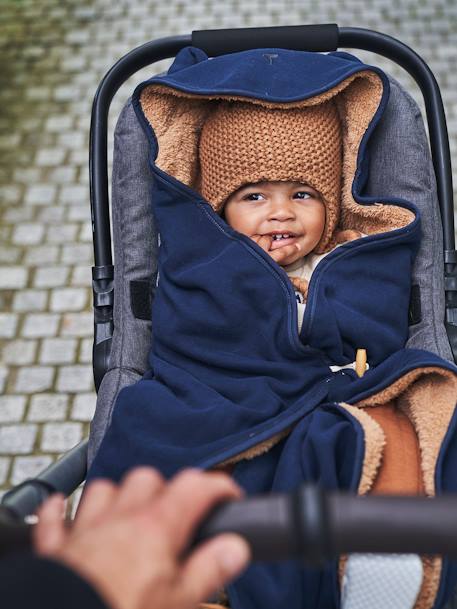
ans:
x=400 y=166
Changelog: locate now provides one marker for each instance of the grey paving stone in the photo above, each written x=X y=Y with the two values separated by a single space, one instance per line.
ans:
x=39 y=325
x=28 y=234
x=13 y=277
x=42 y=254
x=62 y=175
x=9 y=255
x=74 y=194
x=19 y=352
x=52 y=214
x=5 y=232
x=10 y=193
x=32 y=175
x=61 y=234
x=74 y=379
x=29 y=467
x=17 y=439
x=84 y=406
x=77 y=324
x=60 y=437
x=78 y=37
x=68 y=299
x=80 y=212
x=71 y=140
x=82 y=276
x=58 y=350
x=48 y=407
x=79 y=252
x=3 y=378
x=86 y=232
x=41 y=194
x=59 y=123
x=18 y=214
x=12 y=408
x=30 y=300
x=4 y=469
x=31 y=123
x=85 y=351
x=50 y=277
x=86 y=13
x=79 y=157
x=31 y=379
x=50 y=157
x=9 y=140
x=8 y=324
x=66 y=93
x=37 y=94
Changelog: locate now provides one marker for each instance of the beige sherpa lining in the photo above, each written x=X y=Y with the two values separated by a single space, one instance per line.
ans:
x=428 y=397
x=373 y=448
x=177 y=118
x=258 y=449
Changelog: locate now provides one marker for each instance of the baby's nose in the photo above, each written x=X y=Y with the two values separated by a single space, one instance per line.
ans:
x=283 y=207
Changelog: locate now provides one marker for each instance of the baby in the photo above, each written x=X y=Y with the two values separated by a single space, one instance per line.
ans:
x=287 y=220
x=274 y=174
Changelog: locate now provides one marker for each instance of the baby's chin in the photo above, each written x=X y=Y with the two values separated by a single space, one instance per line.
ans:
x=291 y=259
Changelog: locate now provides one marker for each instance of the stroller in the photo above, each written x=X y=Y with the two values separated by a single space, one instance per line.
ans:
x=122 y=300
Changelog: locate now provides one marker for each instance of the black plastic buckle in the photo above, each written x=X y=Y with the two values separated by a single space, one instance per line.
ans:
x=102 y=286
x=103 y=292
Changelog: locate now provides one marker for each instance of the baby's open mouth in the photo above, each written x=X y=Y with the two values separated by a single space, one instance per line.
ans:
x=281 y=240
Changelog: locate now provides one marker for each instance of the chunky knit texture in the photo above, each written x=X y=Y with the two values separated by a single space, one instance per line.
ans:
x=244 y=143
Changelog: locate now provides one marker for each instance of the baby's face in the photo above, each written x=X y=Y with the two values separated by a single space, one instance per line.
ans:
x=267 y=208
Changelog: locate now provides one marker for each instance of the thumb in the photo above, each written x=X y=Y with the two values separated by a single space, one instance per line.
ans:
x=263 y=241
x=213 y=564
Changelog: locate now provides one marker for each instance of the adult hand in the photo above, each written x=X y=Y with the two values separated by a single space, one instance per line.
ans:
x=128 y=540
x=280 y=254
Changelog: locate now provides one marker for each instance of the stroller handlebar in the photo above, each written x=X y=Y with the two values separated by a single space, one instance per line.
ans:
x=315 y=526
x=311 y=525
x=319 y=38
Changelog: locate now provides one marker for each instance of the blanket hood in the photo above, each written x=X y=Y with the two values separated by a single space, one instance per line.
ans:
x=176 y=106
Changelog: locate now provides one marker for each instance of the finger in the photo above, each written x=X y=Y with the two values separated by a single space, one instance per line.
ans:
x=188 y=497
x=264 y=241
x=212 y=565
x=282 y=253
x=97 y=499
x=49 y=533
x=138 y=488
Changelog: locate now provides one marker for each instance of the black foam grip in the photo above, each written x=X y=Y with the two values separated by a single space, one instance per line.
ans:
x=321 y=38
x=386 y=524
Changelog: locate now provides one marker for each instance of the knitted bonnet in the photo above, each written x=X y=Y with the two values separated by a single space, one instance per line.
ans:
x=243 y=143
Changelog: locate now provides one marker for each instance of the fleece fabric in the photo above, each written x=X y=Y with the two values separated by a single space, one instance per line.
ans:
x=231 y=380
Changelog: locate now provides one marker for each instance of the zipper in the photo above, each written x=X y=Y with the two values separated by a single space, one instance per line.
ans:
x=341 y=252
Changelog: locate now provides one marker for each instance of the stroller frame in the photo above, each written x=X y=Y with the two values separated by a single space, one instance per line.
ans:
x=66 y=474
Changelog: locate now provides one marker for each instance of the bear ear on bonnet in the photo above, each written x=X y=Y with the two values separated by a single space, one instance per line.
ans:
x=186 y=58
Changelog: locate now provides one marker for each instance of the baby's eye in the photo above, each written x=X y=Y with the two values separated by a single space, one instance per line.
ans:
x=249 y=197
x=303 y=192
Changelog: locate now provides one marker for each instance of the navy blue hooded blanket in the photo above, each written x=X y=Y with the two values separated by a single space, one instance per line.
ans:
x=231 y=380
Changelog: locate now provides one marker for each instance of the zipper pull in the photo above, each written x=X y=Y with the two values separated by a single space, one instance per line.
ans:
x=361 y=362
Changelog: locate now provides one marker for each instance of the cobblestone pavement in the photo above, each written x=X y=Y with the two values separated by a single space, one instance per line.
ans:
x=55 y=52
